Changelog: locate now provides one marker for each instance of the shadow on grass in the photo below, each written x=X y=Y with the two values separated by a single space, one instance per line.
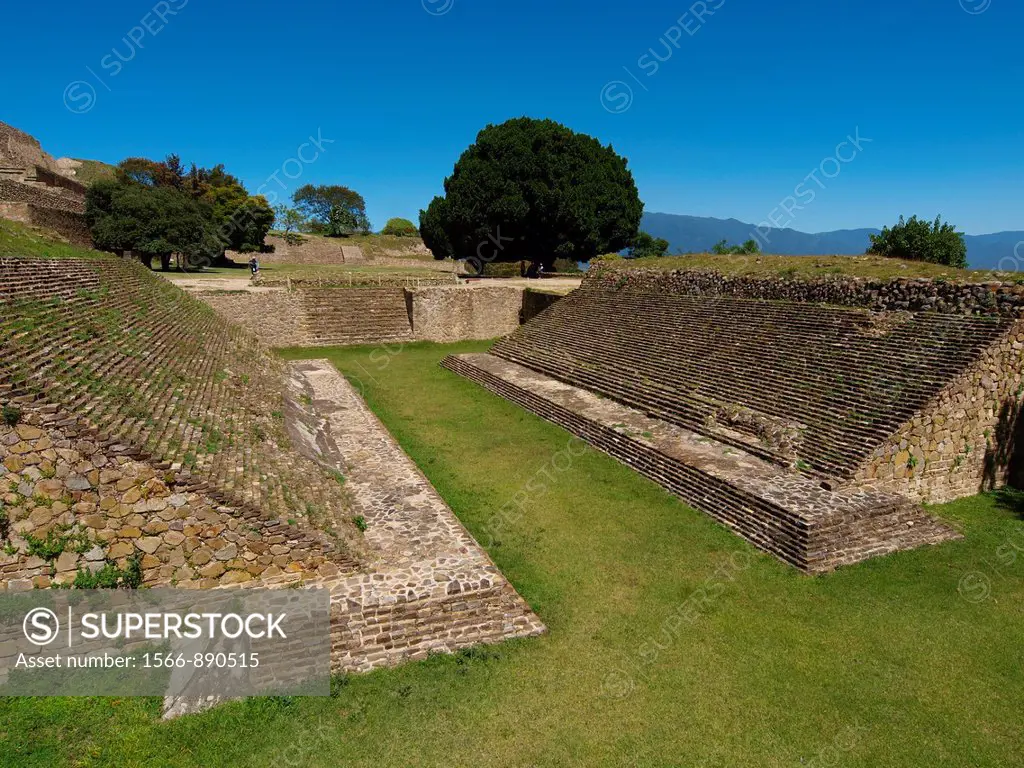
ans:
x=1012 y=500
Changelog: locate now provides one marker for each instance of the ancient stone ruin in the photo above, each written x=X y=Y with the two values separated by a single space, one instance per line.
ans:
x=142 y=431
x=812 y=429
x=375 y=309
x=35 y=189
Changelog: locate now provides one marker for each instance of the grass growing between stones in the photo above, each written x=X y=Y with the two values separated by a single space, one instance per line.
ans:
x=672 y=641
x=807 y=267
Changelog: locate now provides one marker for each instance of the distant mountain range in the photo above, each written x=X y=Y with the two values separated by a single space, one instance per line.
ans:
x=700 y=233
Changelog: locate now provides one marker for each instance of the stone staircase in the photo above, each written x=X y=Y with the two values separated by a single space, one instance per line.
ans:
x=337 y=316
x=158 y=376
x=780 y=510
x=764 y=413
x=793 y=383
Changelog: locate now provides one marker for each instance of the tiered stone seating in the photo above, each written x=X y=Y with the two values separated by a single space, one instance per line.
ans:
x=760 y=413
x=158 y=375
x=355 y=315
x=780 y=510
x=818 y=385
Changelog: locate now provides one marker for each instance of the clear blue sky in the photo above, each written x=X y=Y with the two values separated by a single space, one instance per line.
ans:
x=747 y=103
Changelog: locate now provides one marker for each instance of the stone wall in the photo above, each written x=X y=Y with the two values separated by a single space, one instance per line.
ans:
x=454 y=313
x=275 y=316
x=50 y=178
x=57 y=481
x=964 y=441
x=146 y=428
x=68 y=225
x=19 y=149
x=311 y=316
x=157 y=371
x=13 y=192
x=312 y=250
x=913 y=294
x=535 y=302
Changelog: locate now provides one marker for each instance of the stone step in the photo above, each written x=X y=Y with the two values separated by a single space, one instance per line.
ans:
x=786 y=513
x=844 y=379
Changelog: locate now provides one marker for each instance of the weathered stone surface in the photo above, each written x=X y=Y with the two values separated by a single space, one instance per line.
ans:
x=121 y=485
x=148 y=544
x=120 y=549
x=777 y=508
x=212 y=570
x=67 y=561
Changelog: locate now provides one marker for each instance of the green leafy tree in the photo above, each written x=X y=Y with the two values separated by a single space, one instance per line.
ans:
x=400 y=228
x=919 y=240
x=533 y=190
x=336 y=209
x=648 y=245
x=153 y=221
x=341 y=222
x=239 y=221
x=151 y=173
x=242 y=220
x=288 y=220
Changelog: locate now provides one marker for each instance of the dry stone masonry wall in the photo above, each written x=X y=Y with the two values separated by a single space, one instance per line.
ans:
x=143 y=436
x=309 y=315
x=780 y=510
x=155 y=370
x=908 y=391
x=95 y=506
x=965 y=439
x=457 y=314
x=34 y=191
x=792 y=382
x=913 y=294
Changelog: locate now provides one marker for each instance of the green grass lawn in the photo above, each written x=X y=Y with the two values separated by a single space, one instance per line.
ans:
x=672 y=641
x=17 y=239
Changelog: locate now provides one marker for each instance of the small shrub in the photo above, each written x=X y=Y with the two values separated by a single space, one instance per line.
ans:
x=360 y=522
x=132 y=575
x=58 y=540
x=916 y=239
x=11 y=415
x=400 y=228
x=110 y=576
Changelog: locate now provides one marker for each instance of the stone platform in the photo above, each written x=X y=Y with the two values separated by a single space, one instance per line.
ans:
x=791 y=514
x=426 y=585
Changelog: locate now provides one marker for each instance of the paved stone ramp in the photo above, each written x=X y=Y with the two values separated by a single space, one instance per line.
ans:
x=782 y=511
x=427 y=585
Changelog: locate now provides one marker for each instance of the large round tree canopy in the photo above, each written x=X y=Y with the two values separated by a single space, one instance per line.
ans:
x=533 y=190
